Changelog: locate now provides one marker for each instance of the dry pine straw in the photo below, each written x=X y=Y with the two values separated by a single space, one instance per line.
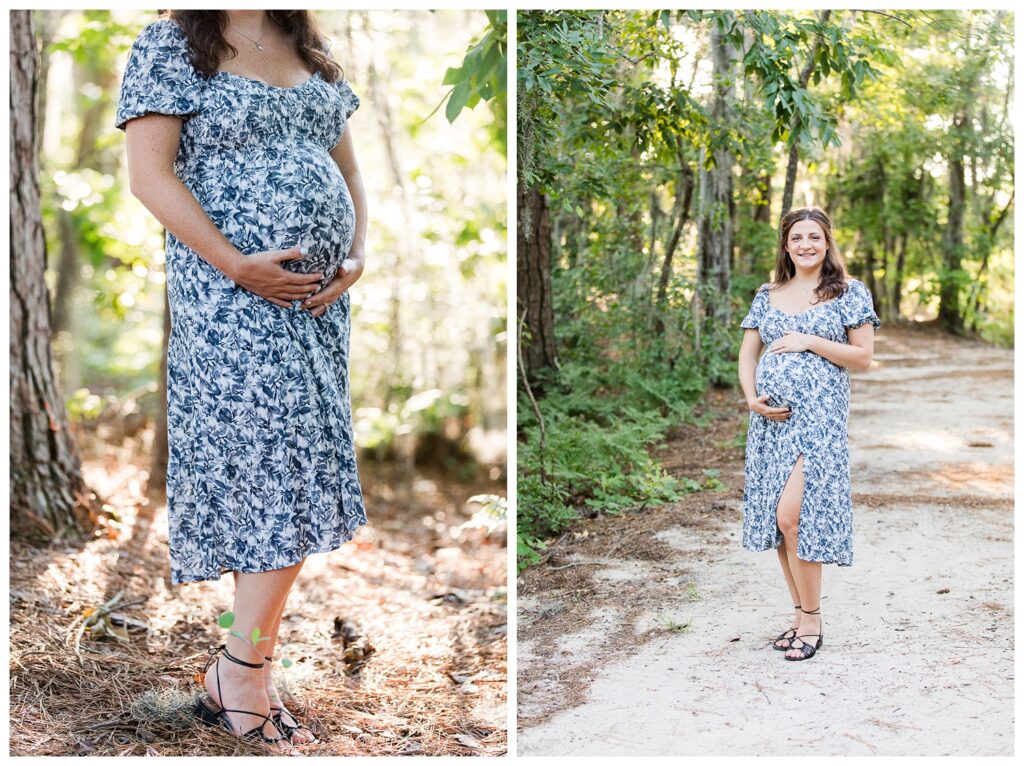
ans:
x=430 y=601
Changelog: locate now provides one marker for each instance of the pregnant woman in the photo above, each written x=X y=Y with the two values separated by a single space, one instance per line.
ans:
x=817 y=324
x=237 y=141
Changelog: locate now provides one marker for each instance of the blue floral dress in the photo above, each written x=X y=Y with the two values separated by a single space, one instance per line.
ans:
x=262 y=467
x=817 y=392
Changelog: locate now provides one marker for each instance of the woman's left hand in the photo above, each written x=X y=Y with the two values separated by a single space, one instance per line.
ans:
x=792 y=341
x=349 y=271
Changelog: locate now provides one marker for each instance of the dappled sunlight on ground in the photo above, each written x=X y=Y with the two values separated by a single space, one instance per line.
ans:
x=428 y=596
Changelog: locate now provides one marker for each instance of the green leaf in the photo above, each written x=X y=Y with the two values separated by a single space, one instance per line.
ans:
x=255 y=635
x=456 y=101
x=285 y=662
x=454 y=76
x=226 y=620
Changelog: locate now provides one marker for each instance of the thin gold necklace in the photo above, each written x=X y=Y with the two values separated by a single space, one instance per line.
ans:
x=259 y=46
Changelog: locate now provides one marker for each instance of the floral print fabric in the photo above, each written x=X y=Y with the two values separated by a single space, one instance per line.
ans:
x=818 y=395
x=262 y=467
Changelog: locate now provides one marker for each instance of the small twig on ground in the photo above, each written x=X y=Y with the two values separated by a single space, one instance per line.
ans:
x=575 y=564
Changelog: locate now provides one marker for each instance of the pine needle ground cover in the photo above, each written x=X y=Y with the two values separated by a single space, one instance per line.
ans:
x=398 y=639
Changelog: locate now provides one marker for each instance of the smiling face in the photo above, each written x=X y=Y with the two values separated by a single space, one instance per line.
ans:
x=806 y=245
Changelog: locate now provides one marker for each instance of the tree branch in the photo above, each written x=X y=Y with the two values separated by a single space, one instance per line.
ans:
x=529 y=393
x=883 y=13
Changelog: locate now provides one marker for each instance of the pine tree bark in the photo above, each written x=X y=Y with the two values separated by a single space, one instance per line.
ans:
x=49 y=498
x=533 y=279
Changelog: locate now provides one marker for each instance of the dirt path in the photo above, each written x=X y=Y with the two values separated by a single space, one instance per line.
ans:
x=918 y=654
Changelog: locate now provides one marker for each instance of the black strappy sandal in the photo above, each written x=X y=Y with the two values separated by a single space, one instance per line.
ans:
x=785 y=637
x=209 y=712
x=806 y=649
x=287 y=728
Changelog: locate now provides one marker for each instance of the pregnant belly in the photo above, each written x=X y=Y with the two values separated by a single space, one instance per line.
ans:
x=308 y=204
x=279 y=198
x=789 y=379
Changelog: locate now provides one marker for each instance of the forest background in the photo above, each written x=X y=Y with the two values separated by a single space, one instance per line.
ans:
x=657 y=152
x=429 y=353
x=103 y=650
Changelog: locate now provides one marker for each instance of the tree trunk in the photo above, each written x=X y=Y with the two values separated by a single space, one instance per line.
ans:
x=988 y=243
x=684 y=198
x=49 y=498
x=681 y=212
x=533 y=279
x=953 y=236
x=869 y=267
x=714 y=225
x=897 y=282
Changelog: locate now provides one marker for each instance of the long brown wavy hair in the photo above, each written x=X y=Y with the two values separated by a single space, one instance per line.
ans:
x=832 y=283
x=205 y=33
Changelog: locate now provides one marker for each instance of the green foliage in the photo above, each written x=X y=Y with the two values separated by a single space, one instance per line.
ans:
x=615 y=128
x=528 y=550
x=226 y=620
x=891 y=193
x=602 y=422
x=483 y=73
x=671 y=625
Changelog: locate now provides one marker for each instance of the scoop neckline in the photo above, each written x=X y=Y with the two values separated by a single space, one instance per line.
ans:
x=266 y=84
x=812 y=308
x=255 y=80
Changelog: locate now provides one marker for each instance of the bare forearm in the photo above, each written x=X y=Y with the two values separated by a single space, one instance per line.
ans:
x=171 y=202
x=747 y=374
x=844 y=354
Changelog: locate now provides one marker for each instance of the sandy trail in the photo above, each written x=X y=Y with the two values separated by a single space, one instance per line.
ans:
x=918 y=652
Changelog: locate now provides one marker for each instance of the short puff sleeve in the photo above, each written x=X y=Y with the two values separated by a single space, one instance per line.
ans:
x=856 y=306
x=159 y=76
x=350 y=99
x=758 y=308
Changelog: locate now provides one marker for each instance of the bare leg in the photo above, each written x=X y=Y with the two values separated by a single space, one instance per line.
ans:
x=806 y=574
x=259 y=597
x=300 y=736
x=793 y=592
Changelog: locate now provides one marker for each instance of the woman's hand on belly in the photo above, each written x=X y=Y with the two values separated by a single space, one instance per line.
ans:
x=761 y=407
x=262 y=274
x=792 y=341
x=349 y=271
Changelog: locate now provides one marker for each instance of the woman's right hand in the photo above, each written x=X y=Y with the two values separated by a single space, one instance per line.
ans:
x=264 y=275
x=760 y=406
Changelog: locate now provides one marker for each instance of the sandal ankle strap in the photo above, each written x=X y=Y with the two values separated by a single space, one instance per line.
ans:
x=813 y=611
x=233 y=658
